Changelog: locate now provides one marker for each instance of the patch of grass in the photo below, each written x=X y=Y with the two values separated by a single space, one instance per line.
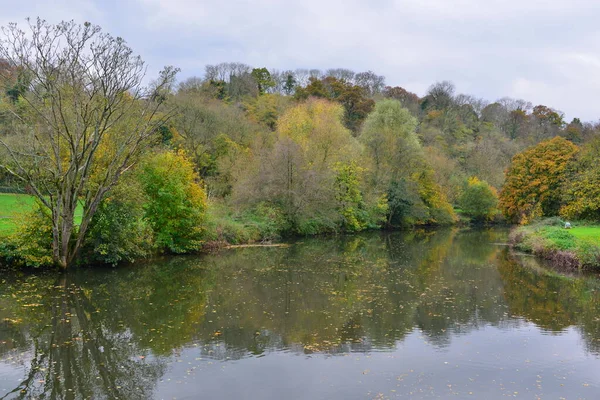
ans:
x=548 y=238
x=12 y=208
x=587 y=232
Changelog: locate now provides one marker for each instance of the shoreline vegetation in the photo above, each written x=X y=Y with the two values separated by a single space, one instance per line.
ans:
x=223 y=229
x=112 y=170
x=574 y=248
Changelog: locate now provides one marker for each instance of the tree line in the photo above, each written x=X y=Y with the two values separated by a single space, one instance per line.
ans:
x=122 y=169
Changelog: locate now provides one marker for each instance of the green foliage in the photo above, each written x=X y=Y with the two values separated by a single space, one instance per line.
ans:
x=349 y=197
x=399 y=168
x=175 y=204
x=263 y=79
x=405 y=205
x=31 y=244
x=260 y=223
x=119 y=232
x=549 y=239
x=479 y=200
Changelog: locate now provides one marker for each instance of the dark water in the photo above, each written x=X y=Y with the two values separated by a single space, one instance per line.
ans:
x=426 y=315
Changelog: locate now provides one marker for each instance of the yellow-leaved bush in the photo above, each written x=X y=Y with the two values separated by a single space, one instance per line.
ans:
x=175 y=203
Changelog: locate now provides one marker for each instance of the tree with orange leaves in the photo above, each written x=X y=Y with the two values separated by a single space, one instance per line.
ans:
x=534 y=179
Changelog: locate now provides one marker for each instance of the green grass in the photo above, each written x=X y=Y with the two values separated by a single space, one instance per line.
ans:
x=549 y=235
x=13 y=206
x=587 y=232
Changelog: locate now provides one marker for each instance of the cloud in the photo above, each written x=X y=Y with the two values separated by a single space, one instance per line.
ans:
x=544 y=51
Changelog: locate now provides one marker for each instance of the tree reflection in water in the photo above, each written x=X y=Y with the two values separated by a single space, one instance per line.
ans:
x=100 y=333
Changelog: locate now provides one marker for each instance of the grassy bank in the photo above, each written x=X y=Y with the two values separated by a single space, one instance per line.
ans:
x=571 y=248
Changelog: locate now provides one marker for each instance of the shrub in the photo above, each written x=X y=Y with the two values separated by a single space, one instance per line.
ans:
x=118 y=232
x=479 y=200
x=175 y=202
x=351 y=206
x=31 y=245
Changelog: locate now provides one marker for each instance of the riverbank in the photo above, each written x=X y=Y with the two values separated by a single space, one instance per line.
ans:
x=578 y=247
x=224 y=226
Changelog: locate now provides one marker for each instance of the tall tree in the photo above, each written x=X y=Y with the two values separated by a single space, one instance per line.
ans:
x=83 y=121
x=534 y=179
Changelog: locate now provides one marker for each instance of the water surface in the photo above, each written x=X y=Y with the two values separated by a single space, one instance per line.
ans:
x=420 y=315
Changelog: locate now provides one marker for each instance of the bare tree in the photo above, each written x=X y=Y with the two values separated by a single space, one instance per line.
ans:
x=83 y=120
x=370 y=81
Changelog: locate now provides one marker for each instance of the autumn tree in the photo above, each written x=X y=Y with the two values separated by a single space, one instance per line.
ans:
x=534 y=179
x=399 y=169
x=581 y=188
x=349 y=197
x=408 y=99
x=357 y=104
x=297 y=172
x=83 y=120
x=211 y=132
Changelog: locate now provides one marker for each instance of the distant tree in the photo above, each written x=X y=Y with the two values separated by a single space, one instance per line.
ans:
x=354 y=98
x=267 y=109
x=440 y=96
x=342 y=74
x=231 y=80
x=512 y=116
x=263 y=80
x=547 y=116
x=534 y=180
x=408 y=99
x=574 y=131
x=289 y=86
x=370 y=82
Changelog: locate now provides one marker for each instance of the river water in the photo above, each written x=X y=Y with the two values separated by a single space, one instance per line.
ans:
x=419 y=315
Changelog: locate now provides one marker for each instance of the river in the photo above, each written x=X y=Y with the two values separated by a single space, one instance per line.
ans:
x=420 y=315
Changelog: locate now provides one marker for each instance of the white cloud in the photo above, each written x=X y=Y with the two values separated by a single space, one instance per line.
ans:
x=545 y=51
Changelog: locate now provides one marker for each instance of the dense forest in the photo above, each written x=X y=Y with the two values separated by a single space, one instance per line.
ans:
x=244 y=153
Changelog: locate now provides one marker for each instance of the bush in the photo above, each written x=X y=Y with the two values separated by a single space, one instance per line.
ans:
x=31 y=245
x=559 y=238
x=479 y=200
x=118 y=232
x=350 y=204
x=260 y=223
x=175 y=202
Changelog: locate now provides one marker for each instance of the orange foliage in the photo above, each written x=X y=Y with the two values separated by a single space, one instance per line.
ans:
x=533 y=180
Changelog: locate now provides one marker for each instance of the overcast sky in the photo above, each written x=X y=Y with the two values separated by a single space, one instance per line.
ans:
x=546 y=52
